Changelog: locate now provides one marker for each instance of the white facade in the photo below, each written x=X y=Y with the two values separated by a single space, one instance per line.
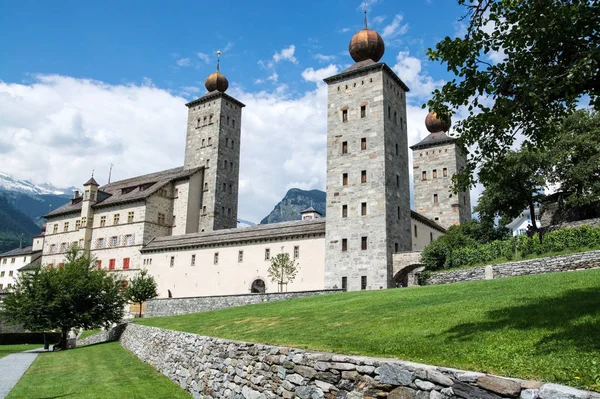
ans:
x=520 y=224
x=11 y=262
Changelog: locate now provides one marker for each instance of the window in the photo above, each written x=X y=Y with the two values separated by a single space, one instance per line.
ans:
x=416 y=232
x=267 y=254
x=84 y=221
x=363 y=176
x=227 y=121
x=9 y=286
x=229 y=212
x=210 y=141
x=223 y=210
x=53 y=248
x=445 y=172
x=345 y=115
x=4 y=261
x=363 y=208
x=344 y=283
x=130 y=217
x=363 y=243
x=10 y=273
x=232 y=144
x=99 y=264
x=129 y=239
x=114 y=241
x=55 y=230
x=204 y=210
x=81 y=243
x=125 y=263
x=430 y=236
x=66 y=227
x=233 y=123
x=100 y=243
x=395 y=118
x=397 y=180
x=389 y=112
x=205 y=186
x=116 y=218
x=102 y=221
x=424 y=175
x=210 y=119
x=204 y=121
x=193 y=263
x=396 y=148
x=224 y=187
x=1 y=286
x=86 y=195
x=230 y=188
x=345 y=147
x=12 y=260
x=226 y=142
x=2 y=274
x=240 y=256
x=363 y=111
x=363 y=143
x=435 y=173
x=344 y=211
x=161 y=218
x=344 y=244
x=398 y=213
x=216 y=259
x=63 y=247
x=224 y=164
x=296 y=252
x=395 y=247
x=435 y=198
x=77 y=224
x=344 y=179
x=172 y=261
x=111 y=264
x=363 y=282
x=207 y=163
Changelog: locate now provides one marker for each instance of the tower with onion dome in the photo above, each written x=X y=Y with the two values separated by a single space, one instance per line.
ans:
x=368 y=195
x=436 y=159
x=213 y=143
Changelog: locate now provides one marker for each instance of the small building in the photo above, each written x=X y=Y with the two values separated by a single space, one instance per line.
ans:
x=310 y=214
x=12 y=261
x=521 y=224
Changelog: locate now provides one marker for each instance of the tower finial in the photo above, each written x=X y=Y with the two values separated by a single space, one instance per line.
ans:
x=366 y=5
x=218 y=59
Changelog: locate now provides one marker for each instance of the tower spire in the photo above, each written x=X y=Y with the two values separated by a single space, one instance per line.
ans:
x=218 y=59
x=366 y=15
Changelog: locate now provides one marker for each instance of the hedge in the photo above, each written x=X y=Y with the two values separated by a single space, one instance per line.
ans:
x=568 y=238
x=28 y=338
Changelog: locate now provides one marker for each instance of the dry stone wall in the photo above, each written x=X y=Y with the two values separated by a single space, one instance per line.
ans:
x=562 y=263
x=110 y=335
x=178 y=306
x=210 y=367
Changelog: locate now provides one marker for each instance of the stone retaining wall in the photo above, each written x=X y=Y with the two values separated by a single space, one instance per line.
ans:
x=178 y=306
x=561 y=263
x=218 y=368
x=114 y=334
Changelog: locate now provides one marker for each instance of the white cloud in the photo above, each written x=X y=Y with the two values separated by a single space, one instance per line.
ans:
x=204 y=57
x=273 y=77
x=184 y=62
x=317 y=76
x=344 y=30
x=286 y=54
x=395 y=28
x=378 y=19
x=410 y=70
x=324 y=58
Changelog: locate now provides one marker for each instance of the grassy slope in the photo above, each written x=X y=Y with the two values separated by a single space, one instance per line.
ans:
x=88 y=333
x=97 y=371
x=6 y=350
x=541 y=327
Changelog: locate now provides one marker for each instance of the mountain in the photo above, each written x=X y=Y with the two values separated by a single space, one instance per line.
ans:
x=8 y=183
x=14 y=227
x=294 y=202
x=241 y=224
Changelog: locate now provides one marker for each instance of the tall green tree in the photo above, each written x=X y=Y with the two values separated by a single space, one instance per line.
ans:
x=520 y=67
x=574 y=158
x=73 y=295
x=141 y=288
x=283 y=269
x=513 y=182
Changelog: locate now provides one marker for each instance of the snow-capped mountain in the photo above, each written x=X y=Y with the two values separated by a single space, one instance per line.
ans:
x=8 y=183
x=244 y=223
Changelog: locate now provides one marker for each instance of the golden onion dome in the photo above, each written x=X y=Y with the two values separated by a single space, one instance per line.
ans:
x=216 y=81
x=435 y=124
x=366 y=44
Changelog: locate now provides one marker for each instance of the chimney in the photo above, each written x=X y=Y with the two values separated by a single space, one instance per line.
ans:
x=75 y=194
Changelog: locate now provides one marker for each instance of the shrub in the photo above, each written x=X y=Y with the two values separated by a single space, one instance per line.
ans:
x=28 y=338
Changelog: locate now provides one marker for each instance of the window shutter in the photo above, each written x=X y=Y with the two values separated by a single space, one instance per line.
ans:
x=99 y=264
x=125 y=263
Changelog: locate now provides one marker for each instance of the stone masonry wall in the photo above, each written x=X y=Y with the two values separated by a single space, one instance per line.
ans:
x=178 y=306
x=561 y=263
x=210 y=367
x=110 y=335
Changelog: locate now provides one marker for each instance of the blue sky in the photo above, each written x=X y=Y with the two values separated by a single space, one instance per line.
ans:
x=87 y=84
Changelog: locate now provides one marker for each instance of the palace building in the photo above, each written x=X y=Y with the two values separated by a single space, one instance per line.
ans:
x=180 y=224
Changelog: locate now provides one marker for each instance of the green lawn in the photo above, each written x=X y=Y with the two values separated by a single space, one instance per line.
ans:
x=544 y=327
x=6 y=350
x=95 y=372
x=88 y=333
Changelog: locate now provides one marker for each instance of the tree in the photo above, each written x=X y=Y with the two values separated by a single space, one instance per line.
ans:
x=513 y=183
x=520 y=67
x=74 y=295
x=141 y=288
x=283 y=269
x=574 y=157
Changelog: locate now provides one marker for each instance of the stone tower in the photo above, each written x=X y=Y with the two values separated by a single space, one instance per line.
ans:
x=213 y=143
x=436 y=159
x=368 y=204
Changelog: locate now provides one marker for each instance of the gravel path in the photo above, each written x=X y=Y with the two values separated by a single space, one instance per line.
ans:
x=12 y=367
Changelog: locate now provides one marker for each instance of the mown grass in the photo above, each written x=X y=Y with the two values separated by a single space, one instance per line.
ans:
x=87 y=333
x=94 y=372
x=6 y=350
x=518 y=257
x=543 y=327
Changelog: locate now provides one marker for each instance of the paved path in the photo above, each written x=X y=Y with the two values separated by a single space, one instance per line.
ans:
x=12 y=367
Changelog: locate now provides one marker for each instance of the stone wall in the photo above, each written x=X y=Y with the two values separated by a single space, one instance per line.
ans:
x=219 y=368
x=177 y=306
x=561 y=263
x=113 y=334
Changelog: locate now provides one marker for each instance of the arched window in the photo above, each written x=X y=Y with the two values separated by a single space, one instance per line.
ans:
x=258 y=287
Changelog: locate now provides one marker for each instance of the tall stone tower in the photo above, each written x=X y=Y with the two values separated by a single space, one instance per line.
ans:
x=368 y=204
x=436 y=159
x=213 y=143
